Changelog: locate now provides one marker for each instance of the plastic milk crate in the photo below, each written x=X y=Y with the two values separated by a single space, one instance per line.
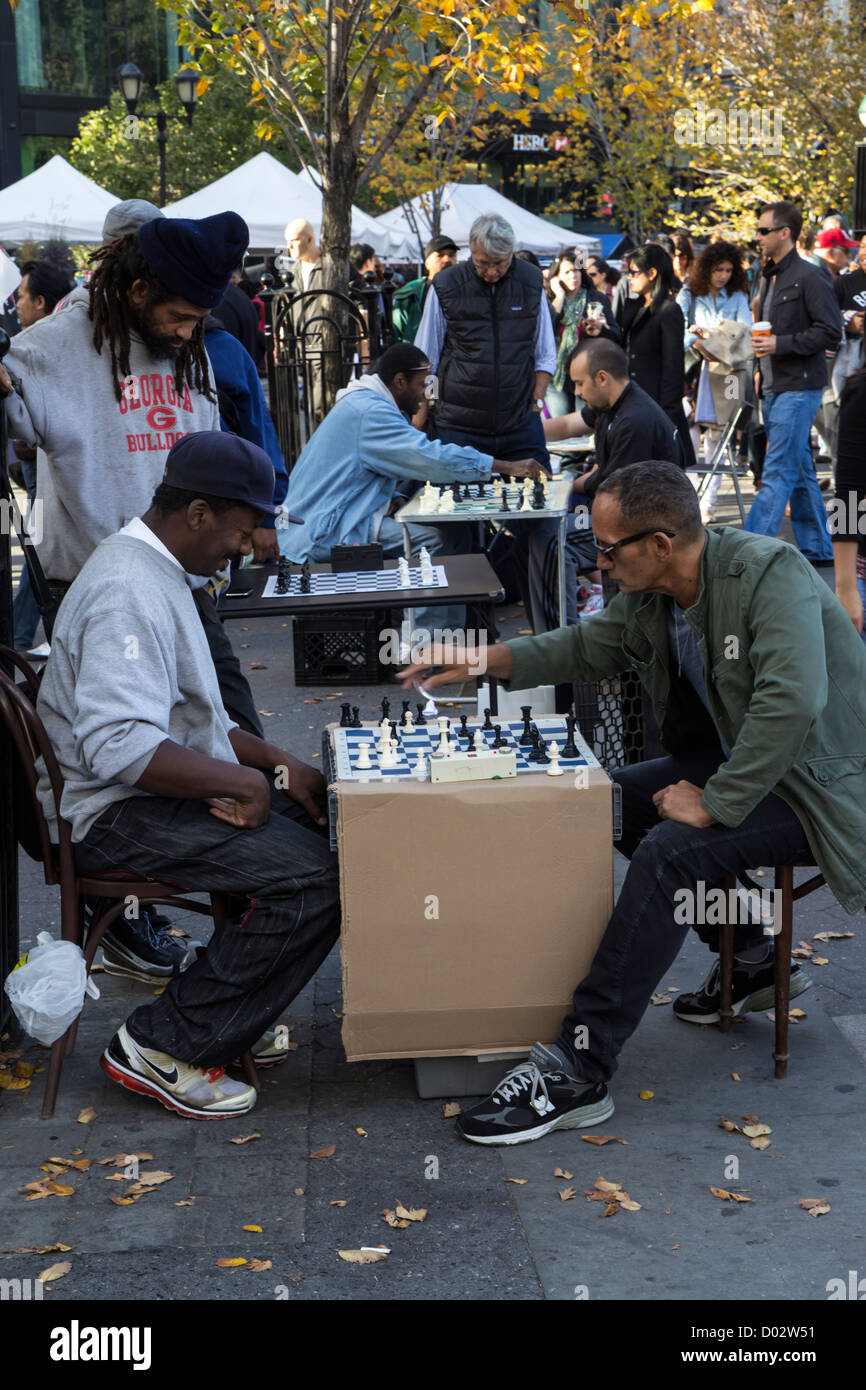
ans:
x=334 y=650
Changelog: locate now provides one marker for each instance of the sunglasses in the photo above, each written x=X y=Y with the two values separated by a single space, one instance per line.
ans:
x=608 y=550
x=765 y=231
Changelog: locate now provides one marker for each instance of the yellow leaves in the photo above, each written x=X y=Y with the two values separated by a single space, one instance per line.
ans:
x=613 y=1195
x=755 y=1131
x=121 y=1160
x=327 y=1152
x=391 y=1219
x=400 y=1217
x=341 y=1202
x=362 y=1132
x=518 y=1182
x=725 y=1196
x=665 y=997
x=819 y=960
x=367 y=1255
x=10 y=1082
x=230 y=1264
x=411 y=1213
x=252 y=1228
x=601 y=1139
x=41 y=1249
x=735 y=1076
x=85 y=1117
x=450 y=1109
x=245 y=1138
x=832 y=935
x=645 y=1095
x=567 y=1194
x=562 y=1173
x=815 y=1206
x=602 y=1186
x=258 y=1266
x=54 y=1272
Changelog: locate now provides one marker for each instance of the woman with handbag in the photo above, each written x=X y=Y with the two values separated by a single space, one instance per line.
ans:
x=652 y=334
x=717 y=293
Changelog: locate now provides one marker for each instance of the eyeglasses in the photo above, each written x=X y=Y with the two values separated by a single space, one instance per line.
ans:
x=608 y=550
x=765 y=231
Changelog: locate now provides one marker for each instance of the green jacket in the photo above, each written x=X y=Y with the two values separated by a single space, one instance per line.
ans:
x=406 y=309
x=785 y=673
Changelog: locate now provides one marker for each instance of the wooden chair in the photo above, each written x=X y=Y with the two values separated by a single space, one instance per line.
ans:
x=31 y=742
x=784 y=884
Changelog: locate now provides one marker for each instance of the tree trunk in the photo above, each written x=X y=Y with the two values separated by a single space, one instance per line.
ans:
x=338 y=187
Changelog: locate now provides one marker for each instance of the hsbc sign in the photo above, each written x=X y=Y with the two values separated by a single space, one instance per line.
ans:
x=534 y=143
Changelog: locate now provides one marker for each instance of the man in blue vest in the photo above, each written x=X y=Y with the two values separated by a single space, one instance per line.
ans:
x=487 y=333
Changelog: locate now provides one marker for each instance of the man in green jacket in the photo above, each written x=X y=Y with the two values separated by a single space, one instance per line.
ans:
x=758 y=681
x=407 y=305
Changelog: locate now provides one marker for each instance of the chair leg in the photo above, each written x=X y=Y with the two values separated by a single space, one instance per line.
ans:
x=52 y=1081
x=784 y=942
x=726 y=961
x=251 y=1071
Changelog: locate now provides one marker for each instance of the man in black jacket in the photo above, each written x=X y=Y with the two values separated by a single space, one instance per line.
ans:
x=798 y=301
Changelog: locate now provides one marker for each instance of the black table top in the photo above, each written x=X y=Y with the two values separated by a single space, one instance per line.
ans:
x=471 y=579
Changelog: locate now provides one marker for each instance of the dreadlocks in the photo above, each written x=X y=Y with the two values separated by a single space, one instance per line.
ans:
x=118 y=265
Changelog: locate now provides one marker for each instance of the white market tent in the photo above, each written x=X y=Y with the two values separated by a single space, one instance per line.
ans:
x=393 y=245
x=267 y=196
x=54 y=201
x=463 y=202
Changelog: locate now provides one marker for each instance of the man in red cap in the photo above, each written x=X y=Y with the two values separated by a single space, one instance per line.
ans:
x=832 y=247
x=160 y=780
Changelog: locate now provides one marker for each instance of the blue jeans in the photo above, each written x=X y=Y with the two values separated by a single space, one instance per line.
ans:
x=790 y=476
x=282 y=880
x=643 y=938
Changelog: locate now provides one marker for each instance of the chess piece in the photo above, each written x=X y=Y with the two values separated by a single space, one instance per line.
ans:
x=409 y=723
x=538 y=496
x=356 y=717
x=404 y=577
x=395 y=737
x=487 y=725
x=283 y=576
x=387 y=757
x=555 y=770
x=570 y=749
x=526 y=734
x=455 y=491
x=482 y=491
x=386 y=707
x=444 y=742
x=305 y=578
x=533 y=756
x=420 y=766
x=503 y=499
x=526 y=504
x=405 y=704
x=497 y=736
x=478 y=741
x=464 y=732
x=363 y=761
x=345 y=719
x=542 y=757
x=421 y=719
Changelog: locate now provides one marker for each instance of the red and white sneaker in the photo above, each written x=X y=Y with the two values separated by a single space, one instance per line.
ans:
x=194 y=1092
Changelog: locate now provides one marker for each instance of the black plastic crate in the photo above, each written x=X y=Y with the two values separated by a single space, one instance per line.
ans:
x=335 y=650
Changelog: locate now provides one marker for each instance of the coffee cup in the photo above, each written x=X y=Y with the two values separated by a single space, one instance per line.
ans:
x=761 y=331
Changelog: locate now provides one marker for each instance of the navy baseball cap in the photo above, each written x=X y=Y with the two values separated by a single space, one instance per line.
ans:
x=213 y=463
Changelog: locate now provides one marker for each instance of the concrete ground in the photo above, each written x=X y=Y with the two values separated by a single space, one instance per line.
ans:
x=496 y=1226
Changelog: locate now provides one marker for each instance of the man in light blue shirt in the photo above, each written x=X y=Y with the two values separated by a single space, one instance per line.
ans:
x=343 y=483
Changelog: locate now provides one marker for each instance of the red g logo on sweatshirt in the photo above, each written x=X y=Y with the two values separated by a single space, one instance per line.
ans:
x=160 y=418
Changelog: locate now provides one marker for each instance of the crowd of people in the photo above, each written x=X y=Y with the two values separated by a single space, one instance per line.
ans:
x=135 y=408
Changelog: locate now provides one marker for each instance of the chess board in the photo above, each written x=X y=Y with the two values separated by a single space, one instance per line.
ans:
x=354 y=582
x=482 y=502
x=424 y=739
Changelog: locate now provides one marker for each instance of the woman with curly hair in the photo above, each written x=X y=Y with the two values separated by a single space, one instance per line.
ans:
x=717 y=290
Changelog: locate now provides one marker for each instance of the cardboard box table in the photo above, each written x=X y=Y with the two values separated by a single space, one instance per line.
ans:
x=470 y=912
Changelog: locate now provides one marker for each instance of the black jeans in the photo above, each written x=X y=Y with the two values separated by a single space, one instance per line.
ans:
x=642 y=938
x=285 y=916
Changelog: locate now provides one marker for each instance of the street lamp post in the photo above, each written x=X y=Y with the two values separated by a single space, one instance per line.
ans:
x=130 y=81
x=860 y=178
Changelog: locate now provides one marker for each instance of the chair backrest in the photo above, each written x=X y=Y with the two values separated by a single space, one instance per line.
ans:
x=30 y=742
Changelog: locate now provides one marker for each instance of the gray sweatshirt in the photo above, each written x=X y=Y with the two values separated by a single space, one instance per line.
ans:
x=103 y=458
x=129 y=668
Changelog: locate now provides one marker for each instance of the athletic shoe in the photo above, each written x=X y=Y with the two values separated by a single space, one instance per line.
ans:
x=40 y=653
x=753 y=990
x=194 y=1092
x=529 y=1103
x=142 y=950
x=269 y=1051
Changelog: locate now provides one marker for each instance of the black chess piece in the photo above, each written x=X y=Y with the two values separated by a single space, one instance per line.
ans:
x=487 y=725
x=569 y=748
x=394 y=732
x=505 y=507
x=356 y=717
x=538 y=496
x=455 y=491
x=464 y=732
x=420 y=719
x=405 y=704
x=283 y=575
x=498 y=740
x=305 y=577
x=542 y=757
x=482 y=490
x=345 y=717
x=526 y=733
x=535 y=740
x=386 y=708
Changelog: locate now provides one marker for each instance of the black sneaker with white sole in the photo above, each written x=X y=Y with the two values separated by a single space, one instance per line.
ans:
x=142 y=950
x=753 y=989
x=529 y=1103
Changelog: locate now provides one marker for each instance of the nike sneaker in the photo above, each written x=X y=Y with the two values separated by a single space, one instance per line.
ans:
x=529 y=1103
x=753 y=989
x=197 y=1093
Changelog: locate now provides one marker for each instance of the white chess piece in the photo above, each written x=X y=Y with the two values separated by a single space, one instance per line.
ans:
x=446 y=502
x=409 y=726
x=526 y=504
x=420 y=766
x=554 y=770
x=478 y=741
x=403 y=571
x=444 y=741
x=426 y=566
x=364 y=756
x=386 y=756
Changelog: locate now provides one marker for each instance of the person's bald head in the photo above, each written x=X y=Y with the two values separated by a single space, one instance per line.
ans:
x=301 y=240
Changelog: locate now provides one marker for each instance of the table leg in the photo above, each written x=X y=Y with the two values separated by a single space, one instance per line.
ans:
x=561 y=542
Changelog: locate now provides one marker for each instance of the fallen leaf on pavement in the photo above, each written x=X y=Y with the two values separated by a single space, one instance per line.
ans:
x=53 y=1272
x=735 y=1076
x=230 y=1264
x=298 y=1191
x=675 y=1247
x=258 y=1266
x=519 y=1181
x=124 y=1201
x=729 y=1125
x=797 y=1013
x=815 y=1206
x=245 y=1138
x=114 y=1177
x=831 y=935
x=411 y=1213
x=363 y=1257
x=258 y=666
x=611 y=1209
x=153 y=1178
x=666 y=996
x=450 y=1109
x=561 y=1173
x=8 y=1082
x=39 y=1249
x=645 y=1095
x=390 y=1218
x=567 y=1194
x=601 y=1185
x=340 y=1203
x=87 y=1115
x=187 y=1202
x=120 y=1160
x=820 y=960
x=324 y=1153
x=630 y=1205
x=755 y=1131
x=24 y=1070
x=362 y=1132
x=252 y=1228
x=601 y=1139
x=761 y=1143
x=726 y=1196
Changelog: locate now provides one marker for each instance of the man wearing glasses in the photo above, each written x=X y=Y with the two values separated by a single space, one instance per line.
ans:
x=766 y=737
x=799 y=303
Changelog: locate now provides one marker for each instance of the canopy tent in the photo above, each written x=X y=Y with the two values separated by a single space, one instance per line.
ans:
x=392 y=245
x=268 y=196
x=54 y=201
x=463 y=202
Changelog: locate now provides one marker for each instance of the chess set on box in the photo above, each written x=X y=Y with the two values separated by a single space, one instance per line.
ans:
x=470 y=908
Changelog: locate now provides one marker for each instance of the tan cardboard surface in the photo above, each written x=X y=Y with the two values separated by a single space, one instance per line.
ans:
x=520 y=873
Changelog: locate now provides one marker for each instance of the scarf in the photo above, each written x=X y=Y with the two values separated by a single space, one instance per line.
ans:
x=572 y=314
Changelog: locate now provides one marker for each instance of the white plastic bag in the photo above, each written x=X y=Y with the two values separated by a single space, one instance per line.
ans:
x=47 y=992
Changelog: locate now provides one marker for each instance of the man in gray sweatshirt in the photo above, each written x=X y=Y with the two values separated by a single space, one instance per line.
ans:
x=160 y=781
